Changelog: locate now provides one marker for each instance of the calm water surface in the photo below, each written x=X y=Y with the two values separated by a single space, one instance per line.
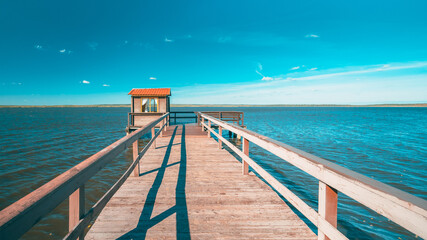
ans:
x=386 y=144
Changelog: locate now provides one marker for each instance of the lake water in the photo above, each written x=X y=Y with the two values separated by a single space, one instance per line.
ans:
x=386 y=144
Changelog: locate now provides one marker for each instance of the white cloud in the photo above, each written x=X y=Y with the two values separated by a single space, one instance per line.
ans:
x=168 y=40
x=93 y=45
x=85 y=82
x=312 y=69
x=153 y=78
x=62 y=51
x=39 y=47
x=311 y=36
x=260 y=66
x=105 y=85
x=264 y=78
x=267 y=79
x=295 y=68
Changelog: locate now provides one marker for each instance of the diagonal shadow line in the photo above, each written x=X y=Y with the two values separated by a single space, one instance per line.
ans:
x=157 y=169
x=141 y=229
x=182 y=224
x=167 y=146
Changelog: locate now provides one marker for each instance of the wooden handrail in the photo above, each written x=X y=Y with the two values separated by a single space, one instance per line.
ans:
x=19 y=217
x=231 y=116
x=403 y=208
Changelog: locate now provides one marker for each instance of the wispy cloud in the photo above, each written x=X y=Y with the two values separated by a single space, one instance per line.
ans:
x=267 y=79
x=295 y=68
x=153 y=78
x=356 y=84
x=312 y=69
x=260 y=66
x=105 y=85
x=346 y=72
x=168 y=40
x=85 y=82
x=93 y=45
x=264 y=78
x=312 y=36
x=38 y=47
x=63 y=51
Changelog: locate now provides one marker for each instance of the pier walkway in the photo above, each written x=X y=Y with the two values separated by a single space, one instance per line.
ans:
x=189 y=188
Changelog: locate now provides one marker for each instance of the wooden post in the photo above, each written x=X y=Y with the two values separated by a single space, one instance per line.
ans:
x=220 y=134
x=245 y=166
x=76 y=209
x=209 y=132
x=153 y=133
x=203 y=121
x=135 y=155
x=328 y=201
x=198 y=119
x=167 y=121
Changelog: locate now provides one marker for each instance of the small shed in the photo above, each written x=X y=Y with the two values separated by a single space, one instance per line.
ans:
x=147 y=104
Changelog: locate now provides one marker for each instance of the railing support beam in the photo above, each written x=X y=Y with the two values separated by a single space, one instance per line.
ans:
x=153 y=133
x=209 y=125
x=328 y=201
x=219 y=140
x=76 y=209
x=135 y=156
x=245 y=149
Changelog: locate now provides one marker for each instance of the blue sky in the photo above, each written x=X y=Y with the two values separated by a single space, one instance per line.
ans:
x=236 y=52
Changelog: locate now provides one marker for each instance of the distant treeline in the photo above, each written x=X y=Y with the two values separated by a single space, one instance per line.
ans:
x=221 y=105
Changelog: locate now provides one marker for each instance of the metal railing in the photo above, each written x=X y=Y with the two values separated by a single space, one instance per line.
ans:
x=18 y=218
x=404 y=209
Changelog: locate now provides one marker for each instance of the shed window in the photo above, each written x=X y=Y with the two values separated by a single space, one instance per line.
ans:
x=149 y=105
x=144 y=105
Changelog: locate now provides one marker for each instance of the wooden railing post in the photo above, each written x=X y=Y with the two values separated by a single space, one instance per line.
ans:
x=76 y=208
x=220 y=134
x=209 y=132
x=328 y=201
x=135 y=156
x=245 y=166
x=153 y=133
x=202 y=120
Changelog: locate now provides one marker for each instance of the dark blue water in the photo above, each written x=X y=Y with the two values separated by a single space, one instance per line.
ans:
x=387 y=144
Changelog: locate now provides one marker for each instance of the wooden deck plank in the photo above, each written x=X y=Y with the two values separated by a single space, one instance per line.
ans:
x=188 y=188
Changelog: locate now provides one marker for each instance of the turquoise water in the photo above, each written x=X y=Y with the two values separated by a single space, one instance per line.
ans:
x=386 y=144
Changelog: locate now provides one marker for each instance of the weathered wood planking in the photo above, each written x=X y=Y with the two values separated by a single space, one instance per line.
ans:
x=190 y=188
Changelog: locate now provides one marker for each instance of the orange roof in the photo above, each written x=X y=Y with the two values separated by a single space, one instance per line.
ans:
x=151 y=92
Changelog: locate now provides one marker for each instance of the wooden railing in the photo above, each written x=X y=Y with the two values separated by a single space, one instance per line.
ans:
x=184 y=115
x=228 y=116
x=19 y=217
x=131 y=116
x=404 y=209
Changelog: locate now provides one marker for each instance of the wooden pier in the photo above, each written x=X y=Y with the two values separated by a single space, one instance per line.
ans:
x=184 y=184
x=189 y=188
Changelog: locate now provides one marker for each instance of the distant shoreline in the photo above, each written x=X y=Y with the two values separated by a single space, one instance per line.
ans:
x=219 y=105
